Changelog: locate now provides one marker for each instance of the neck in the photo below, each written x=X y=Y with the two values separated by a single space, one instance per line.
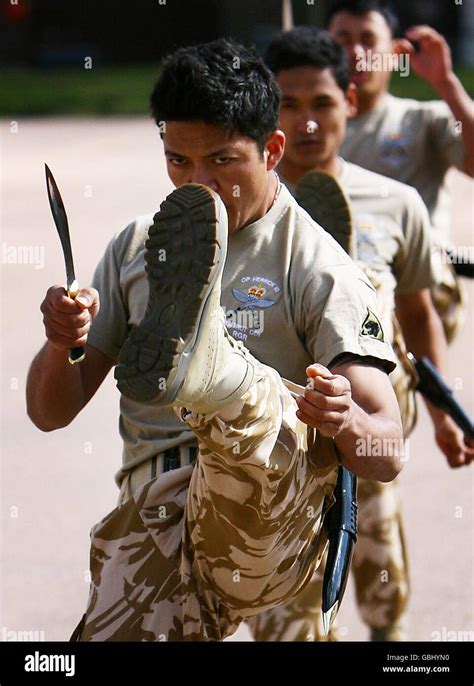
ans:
x=293 y=172
x=272 y=192
x=266 y=204
x=369 y=102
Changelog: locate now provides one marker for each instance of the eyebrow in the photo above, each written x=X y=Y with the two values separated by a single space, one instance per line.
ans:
x=292 y=98
x=215 y=153
x=367 y=33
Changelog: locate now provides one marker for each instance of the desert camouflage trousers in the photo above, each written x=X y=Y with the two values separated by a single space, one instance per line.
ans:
x=379 y=570
x=197 y=550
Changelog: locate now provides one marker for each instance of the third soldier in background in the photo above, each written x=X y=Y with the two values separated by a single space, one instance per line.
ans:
x=411 y=141
x=392 y=245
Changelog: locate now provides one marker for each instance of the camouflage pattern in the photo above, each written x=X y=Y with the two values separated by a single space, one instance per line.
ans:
x=380 y=563
x=380 y=572
x=299 y=620
x=197 y=550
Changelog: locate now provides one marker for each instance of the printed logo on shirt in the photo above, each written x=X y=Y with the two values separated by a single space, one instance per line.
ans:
x=370 y=234
x=372 y=326
x=395 y=149
x=255 y=295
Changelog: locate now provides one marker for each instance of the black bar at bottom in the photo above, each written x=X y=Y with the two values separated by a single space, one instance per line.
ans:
x=121 y=663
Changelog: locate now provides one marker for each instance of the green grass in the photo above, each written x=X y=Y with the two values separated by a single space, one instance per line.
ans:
x=414 y=87
x=101 y=91
x=123 y=90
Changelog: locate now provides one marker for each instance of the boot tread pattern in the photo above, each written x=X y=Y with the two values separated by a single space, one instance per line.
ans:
x=181 y=252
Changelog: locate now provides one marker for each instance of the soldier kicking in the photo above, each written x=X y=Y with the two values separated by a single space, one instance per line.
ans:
x=197 y=545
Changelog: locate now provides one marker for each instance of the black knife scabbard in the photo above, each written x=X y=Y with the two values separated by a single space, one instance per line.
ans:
x=341 y=527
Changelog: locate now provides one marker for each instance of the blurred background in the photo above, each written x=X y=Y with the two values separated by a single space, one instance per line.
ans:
x=92 y=57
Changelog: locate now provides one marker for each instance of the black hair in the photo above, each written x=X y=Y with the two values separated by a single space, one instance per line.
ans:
x=308 y=45
x=359 y=7
x=221 y=83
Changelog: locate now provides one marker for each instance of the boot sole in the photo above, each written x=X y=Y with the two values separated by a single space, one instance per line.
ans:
x=326 y=202
x=184 y=254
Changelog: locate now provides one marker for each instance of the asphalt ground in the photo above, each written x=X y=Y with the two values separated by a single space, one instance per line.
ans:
x=55 y=486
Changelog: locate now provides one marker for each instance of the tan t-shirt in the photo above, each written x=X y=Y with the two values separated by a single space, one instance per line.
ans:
x=413 y=142
x=393 y=235
x=393 y=228
x=289 y=291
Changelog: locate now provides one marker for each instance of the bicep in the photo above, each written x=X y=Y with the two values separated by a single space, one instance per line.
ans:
x=371 y=389
x=94 y=369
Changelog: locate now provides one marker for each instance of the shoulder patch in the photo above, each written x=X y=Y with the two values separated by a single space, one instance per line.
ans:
x=372 y=326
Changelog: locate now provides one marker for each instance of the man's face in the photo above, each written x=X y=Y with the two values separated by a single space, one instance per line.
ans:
x=311 y=96
x=232 y=166
x=358 y=34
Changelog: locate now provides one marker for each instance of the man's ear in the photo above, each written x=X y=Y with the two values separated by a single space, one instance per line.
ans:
x=351 y=101
x=274 y=148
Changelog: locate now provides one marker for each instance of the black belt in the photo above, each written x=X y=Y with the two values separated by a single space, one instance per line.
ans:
x=172 y=459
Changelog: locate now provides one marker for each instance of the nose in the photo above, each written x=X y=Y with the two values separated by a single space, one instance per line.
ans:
x=203 y=176
x=307 y=123
x=355 y=53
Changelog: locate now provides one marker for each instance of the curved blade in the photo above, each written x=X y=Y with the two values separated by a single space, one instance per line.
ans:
x=60 y=219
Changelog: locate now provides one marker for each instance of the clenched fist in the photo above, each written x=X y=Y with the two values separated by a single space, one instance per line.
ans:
x=459 y=449
x=67 y=321
x=433 y=61
x=328 y=405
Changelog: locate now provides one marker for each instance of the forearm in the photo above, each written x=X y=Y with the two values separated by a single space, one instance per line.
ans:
x=54 y=390
x=371 y=446
x=453 y=93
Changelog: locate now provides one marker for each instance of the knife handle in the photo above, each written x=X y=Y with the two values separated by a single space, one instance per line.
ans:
x=75 y=354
